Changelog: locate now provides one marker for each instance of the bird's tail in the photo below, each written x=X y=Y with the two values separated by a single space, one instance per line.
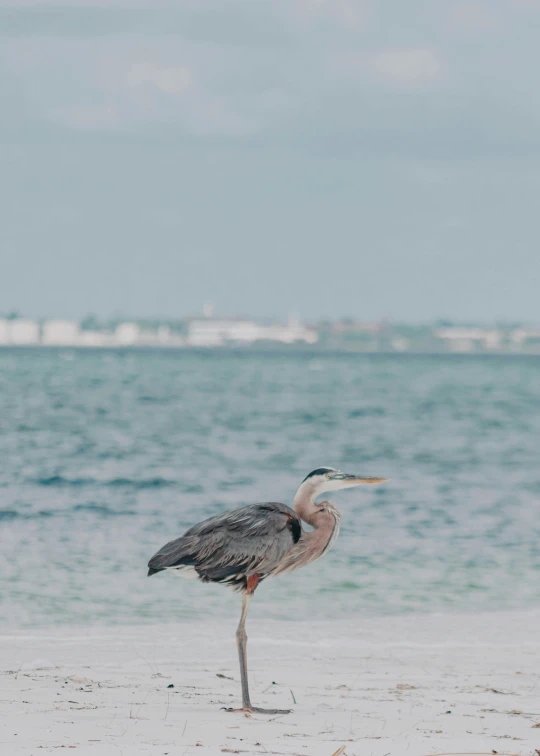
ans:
x=173 y=554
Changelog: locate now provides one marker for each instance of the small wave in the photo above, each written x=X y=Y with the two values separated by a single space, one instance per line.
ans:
x=194 y=488
x=60 y=481
x=11 y=514
x=344 y=585
x=8 y=514
x=148 y=483
x=227 y=485
x=101 y=509
x=367 y=412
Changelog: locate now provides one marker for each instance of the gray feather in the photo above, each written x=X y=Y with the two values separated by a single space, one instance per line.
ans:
x=227 y=548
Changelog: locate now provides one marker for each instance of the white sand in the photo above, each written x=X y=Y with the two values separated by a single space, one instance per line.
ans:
x=411 y=686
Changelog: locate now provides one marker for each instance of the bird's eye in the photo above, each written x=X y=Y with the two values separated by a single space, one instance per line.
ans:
x=328 y=476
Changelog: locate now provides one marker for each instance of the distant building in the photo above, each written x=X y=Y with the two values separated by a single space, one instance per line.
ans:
x=291 y=333
x=459 y=339
x=167 y=337
x=351 y=327
x=400 y=344
x=154 y=337
x=60 y=333
x=526 y=338
x=95 y=338
x=216 y=332
x=131 y=334
x=4 y=331
x=21 y=332
x=127 y=334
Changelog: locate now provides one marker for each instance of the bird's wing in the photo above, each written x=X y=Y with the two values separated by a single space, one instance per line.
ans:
x=250 y=540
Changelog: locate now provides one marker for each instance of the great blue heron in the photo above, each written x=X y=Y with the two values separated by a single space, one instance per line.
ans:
x=243 y=547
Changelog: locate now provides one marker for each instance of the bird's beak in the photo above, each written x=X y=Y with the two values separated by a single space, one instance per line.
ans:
x=357 y=480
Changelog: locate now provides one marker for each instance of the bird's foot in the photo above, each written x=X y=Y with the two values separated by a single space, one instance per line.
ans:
x=257 y=710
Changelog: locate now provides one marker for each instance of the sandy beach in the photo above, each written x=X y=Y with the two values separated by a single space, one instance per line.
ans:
x=387 y=686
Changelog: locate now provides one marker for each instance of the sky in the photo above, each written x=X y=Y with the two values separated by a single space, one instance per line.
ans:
x=323 y=158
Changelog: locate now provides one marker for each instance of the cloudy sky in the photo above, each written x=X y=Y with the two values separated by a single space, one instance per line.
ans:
x=328 y=158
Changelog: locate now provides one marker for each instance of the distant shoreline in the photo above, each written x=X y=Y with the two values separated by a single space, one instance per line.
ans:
x=258 y=350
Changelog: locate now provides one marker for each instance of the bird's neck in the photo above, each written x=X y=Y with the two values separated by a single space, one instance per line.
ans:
x=324 y=518
x=316 y=515
x=305 y=507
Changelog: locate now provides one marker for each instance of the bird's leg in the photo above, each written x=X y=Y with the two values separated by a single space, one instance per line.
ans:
x=241 y=642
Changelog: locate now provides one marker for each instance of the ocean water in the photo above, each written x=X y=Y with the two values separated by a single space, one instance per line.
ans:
x=105 y=456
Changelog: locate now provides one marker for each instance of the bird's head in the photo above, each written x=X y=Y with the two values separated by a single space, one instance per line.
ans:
x=325 y=479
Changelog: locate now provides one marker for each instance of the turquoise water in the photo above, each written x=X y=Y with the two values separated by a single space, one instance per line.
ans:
x=107 y=455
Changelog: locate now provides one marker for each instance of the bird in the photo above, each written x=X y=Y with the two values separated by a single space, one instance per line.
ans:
x=242 y=547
